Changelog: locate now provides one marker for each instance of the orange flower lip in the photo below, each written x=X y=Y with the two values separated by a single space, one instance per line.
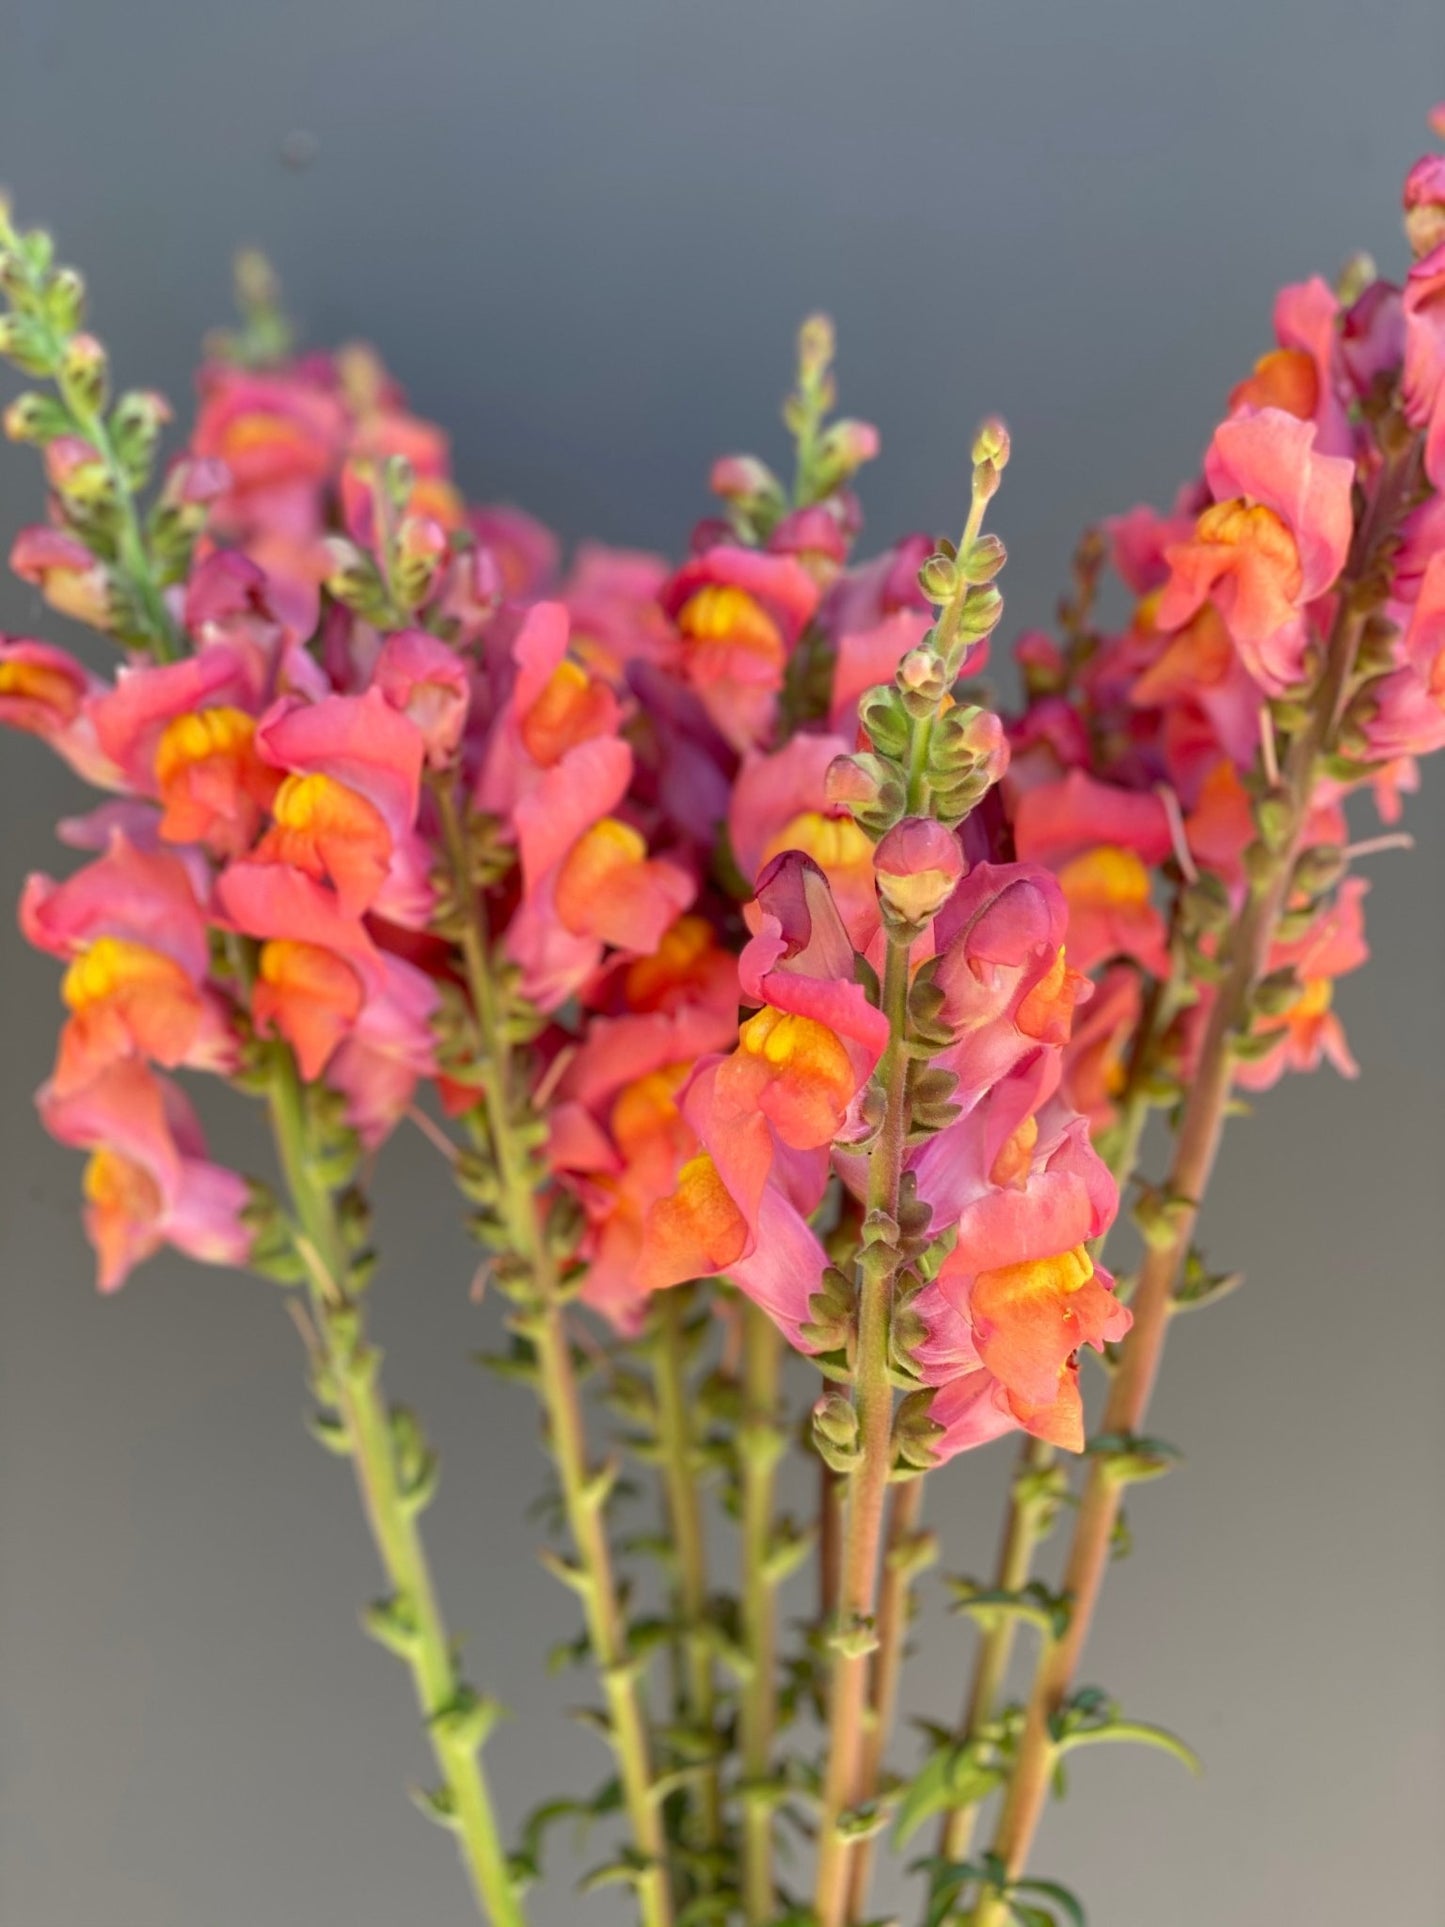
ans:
x=804 y=1074
x=310 y=995
x=571 y=708
x=1284 y=378
x=721 y=615
x=211 y=780
x=40 y=683
x=1105 y=877
x=1256 y=530
x=331 y=833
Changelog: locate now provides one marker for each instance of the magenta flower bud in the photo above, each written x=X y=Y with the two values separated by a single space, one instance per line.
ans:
x=916 y=866
x=848 y=444
x=741 y=478
x=1425 y=205
x=987 y=740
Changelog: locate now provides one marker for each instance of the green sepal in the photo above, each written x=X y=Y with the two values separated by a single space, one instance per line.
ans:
x=437 y=1804
x=1130 y=1458
x=991 y=1606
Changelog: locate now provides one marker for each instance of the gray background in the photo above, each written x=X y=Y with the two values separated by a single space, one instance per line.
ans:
x=583 y=235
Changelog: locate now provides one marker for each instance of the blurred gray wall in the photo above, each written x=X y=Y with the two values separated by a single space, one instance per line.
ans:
x=583 y=235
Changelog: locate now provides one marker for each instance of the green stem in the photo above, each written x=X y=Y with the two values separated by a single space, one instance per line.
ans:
x=684 y=1510
x=843 y=1783
x=1024 y=1530
x=351 y=1374
x=760 y=1443
x=894 y=1612
x=543 y=1320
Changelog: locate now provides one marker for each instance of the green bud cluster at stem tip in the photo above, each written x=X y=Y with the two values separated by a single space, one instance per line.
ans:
x=139 y=554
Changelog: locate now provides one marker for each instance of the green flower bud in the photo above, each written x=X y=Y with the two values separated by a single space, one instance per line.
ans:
x=938 y=578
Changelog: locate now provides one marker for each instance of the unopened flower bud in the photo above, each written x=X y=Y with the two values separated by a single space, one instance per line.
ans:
x=35 y=418
x=922 y=682
x=991 y=444
x=65 y=301
x=1318 y=869
x=982 y=562
x=938 y=578
x=982 y=734
x=853 y=779
x=816 y=346
x=1278 y=992
x=84 y=374
x=845 y=447
x=1275 y=815
x=76 y=472
x=398 y=478
x=916 y=867
x=743 y=478
x=1425 y=205
x=1379 y=645
x=981 y=612
x=835 y=1419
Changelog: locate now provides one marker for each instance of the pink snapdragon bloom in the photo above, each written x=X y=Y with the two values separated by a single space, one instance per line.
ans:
x=65 y=572
x=320 y=977
x=148 y=1182
x=1312 y=1033
x=522 y=549
x=1018 y=1295
x=1302 y=375
x=46 y=693
x=1424 y=203
x=345 y=808
x=135 y=937
x=1102 y=843
x=427 y=682
x=184 y=734
x=1095 y=1065
x=613 y=598
x=1273 y=541
x=780 y=802
x=1406 y=713
x=618 y=1136
x=765 y=1115
x=280 y=437
x=739 y=613
x=1424 y=387
x=558 y=772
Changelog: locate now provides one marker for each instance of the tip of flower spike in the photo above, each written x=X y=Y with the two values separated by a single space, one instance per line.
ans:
x=817 y=344
x=991 y=444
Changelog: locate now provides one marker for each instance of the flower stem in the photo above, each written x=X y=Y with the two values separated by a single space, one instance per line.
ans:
x=900 y=1563
x=1025 y=1525
x=542 y=1319
x=1196 y=1148
x=456 y=1721
x=844 y=1784
x=760 y=1443
x=680 y=1469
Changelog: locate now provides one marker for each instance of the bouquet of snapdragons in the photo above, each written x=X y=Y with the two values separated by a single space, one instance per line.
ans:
x=766 y=991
